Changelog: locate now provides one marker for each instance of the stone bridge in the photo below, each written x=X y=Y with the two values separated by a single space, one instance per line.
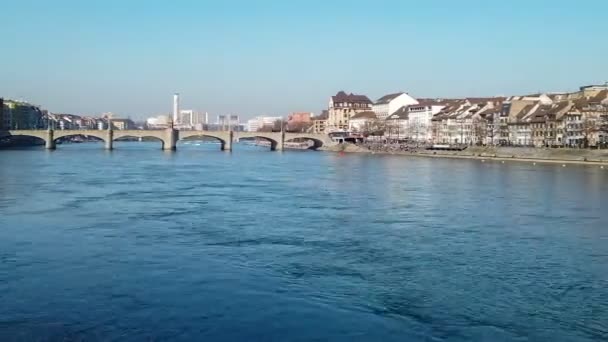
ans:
x=170 y=137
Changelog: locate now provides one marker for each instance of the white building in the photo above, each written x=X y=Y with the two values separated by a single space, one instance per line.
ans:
x=161 y=121
x=234 y=121
x=186 y=117
x=388 y=104
x=253 y=125
x=420 y=118
x=362 y=122
x=397 y=125
x=198 y=118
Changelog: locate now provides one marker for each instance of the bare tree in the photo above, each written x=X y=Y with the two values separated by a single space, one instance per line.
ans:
x=374 y=127
x=417 y=131
x=591 y=126
x=297 y=127
x=273 y=127
x=479 y=127
x=603 y=126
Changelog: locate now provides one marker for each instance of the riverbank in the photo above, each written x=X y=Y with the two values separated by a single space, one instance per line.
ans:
x=502 y=154
x=19 y=141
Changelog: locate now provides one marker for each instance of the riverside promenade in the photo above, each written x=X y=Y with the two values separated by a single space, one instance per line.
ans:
x=563 y=156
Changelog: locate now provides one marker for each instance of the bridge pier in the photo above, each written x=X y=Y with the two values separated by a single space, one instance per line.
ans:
x=50 y=140
x=109 y=141
x=227 y=144
x=279 y=145
x=170 y=141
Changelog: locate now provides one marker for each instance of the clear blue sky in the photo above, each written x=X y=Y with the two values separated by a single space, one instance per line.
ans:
x=274 y=57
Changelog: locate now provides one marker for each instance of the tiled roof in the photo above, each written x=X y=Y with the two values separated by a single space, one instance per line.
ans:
x=560 y=106
x=342 y=97
x=490 y=111
x=400 y=114
x=601 y=96
x=323 y=116
x=524 y=112
x=454 y=108
x=436 y=102
x=364 y=115
x=478 y=100
x=388 y=98
x=583 y=102
x=540 y=113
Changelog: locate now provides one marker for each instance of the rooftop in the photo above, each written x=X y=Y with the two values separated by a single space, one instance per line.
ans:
x=323 y=116
x=400 y=114
x=388 y=98
x=342 y=97
x=364 y=115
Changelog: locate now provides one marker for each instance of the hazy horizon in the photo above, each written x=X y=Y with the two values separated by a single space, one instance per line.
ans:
x=268 y=57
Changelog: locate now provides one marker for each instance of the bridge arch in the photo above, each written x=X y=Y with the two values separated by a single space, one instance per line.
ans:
x=276 y=139
x=40 y=135
x=64 y=134
x=224 y=138
x=316 y=142
x=123 y=137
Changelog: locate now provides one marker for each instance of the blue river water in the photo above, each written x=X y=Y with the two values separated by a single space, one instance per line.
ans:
x=203 y=245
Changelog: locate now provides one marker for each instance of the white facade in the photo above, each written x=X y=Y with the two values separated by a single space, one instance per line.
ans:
x=389 y=104
x=186 y=117
x=420 y=121
x=161 y=121
x=198 y=118
x=253 y=125
x=359 y=124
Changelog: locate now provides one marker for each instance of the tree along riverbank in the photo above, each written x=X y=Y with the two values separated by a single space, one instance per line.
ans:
x=523 y=154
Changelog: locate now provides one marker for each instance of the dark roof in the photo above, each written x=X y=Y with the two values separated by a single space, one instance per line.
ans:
x=435 y=102
x=525 y=111
x=477 y=100
x=581 y=103
x=342 y=97
x=540 y=113
x=584 y=102
x=364 y=115
x=556 y=108
x=601 y=96
x=388 y=98
x=491 y=111
x=400 y=114
x=323 y=116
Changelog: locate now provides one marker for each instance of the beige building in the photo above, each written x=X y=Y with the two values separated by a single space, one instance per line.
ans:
x=319 y=123
x=122 y=124
x=466 y=121
x=342 y=107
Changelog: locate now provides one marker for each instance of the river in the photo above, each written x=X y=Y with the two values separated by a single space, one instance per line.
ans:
x=140 y=244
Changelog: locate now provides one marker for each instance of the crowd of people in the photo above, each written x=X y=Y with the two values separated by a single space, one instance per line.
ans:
x=390 y=146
